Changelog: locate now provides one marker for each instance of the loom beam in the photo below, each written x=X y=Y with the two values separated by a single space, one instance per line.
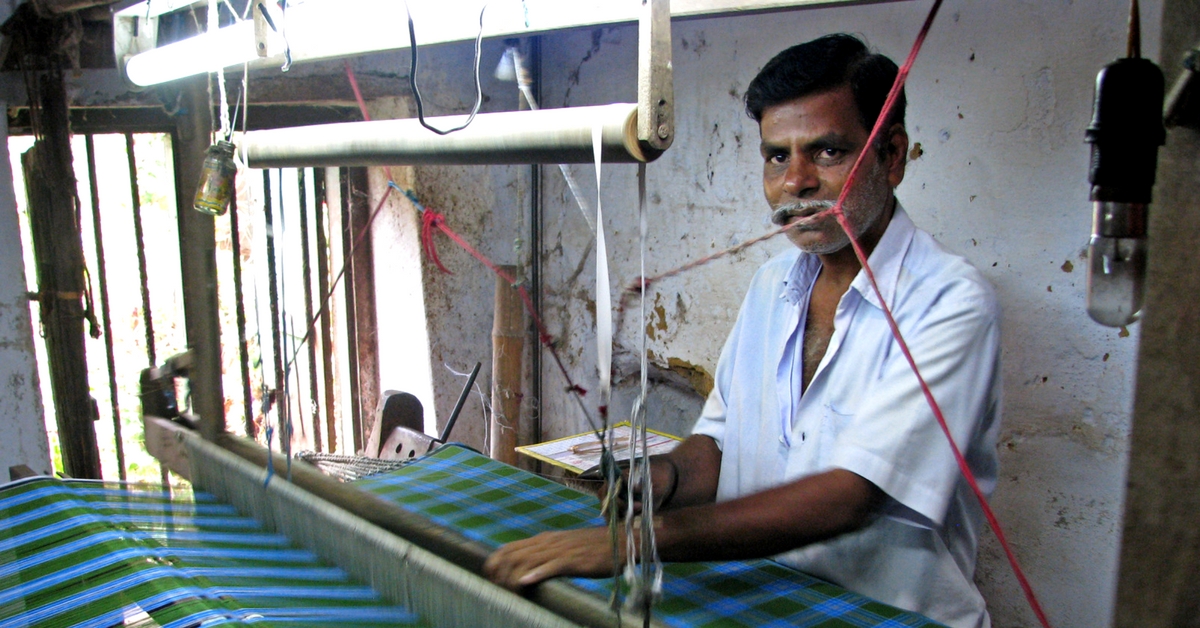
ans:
x=632 y=133
x=548 y=136
x=399 y=570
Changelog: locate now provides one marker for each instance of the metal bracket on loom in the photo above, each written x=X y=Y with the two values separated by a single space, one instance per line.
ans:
x=632 y=132
x=656 y=92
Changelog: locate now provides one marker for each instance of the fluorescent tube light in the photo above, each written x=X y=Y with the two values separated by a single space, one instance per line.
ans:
x=328 y=29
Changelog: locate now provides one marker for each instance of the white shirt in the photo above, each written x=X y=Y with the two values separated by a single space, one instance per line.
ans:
x=864 y=412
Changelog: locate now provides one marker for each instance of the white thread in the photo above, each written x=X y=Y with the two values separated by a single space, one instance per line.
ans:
x=213 y=26
x=603 y=290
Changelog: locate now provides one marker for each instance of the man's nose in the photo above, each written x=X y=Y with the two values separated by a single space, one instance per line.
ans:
x=801 y=179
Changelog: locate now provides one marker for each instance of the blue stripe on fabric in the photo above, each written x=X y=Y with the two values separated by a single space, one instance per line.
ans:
x=383 y=615
x=257 y=593
x=165 y=505
x=89 y=596
x=70 y=504
x=66 y=549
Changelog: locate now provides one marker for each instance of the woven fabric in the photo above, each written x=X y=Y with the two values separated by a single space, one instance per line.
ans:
x=494 y=503
x=95 y=554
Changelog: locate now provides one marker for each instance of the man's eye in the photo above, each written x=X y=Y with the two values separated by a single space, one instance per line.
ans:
x=777 y=158
x=829 y=156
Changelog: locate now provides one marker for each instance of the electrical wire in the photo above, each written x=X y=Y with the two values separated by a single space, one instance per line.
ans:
x=412 y=74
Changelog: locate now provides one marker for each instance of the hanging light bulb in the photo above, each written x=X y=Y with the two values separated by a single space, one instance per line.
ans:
x=216 y=179
x=1125 y=133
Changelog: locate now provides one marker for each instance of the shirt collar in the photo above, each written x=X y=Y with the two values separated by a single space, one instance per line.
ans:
x=887 y=259
x=800 y=279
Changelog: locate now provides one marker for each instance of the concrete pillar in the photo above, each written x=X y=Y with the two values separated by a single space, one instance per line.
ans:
x=1160 y=543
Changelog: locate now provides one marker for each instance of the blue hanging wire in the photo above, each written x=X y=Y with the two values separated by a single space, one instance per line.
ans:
x=409 y=194
x=270 y=458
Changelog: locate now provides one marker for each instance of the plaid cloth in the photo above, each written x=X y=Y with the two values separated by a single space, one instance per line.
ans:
x=494 y=503
x=96 y=554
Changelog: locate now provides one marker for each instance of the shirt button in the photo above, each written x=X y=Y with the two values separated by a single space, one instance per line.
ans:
x=781 y=440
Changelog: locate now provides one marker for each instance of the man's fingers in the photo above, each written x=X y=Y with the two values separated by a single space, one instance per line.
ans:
x=520 y=564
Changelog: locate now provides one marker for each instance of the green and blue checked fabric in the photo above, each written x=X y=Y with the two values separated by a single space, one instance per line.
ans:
x=91 y=554
x=494 y=503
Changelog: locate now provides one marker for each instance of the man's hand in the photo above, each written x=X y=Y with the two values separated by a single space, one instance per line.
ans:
x=664 y=479
x=585 y=552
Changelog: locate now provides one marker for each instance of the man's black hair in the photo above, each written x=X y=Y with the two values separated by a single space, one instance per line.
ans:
x=824 y=64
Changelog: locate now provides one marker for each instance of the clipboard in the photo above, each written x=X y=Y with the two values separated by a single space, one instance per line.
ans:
x=582 y=451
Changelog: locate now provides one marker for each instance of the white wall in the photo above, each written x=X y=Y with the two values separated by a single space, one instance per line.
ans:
x=23 y=432
x=999 y=100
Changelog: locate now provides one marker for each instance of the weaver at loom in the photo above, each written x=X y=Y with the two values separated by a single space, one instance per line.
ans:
x=816 y=443
x=458 y=504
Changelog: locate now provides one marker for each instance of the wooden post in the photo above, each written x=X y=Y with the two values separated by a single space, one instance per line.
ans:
x=359 y=259
x=58 y=244
x=198 y=263
x=508 y=343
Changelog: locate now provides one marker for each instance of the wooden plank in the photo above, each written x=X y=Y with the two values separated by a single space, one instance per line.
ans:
x=198 y=264
x=58 y=247
x=20 y=472
x=360 y=293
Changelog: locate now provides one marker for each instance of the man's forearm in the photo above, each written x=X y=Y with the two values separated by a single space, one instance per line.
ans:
x=810 y=510
x=697 y=465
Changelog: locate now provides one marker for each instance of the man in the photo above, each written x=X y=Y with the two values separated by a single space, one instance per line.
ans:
x=817 y=445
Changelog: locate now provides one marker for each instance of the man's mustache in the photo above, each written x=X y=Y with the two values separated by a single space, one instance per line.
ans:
x=799 y=208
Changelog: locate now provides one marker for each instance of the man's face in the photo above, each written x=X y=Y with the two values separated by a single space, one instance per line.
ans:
x=809 y=146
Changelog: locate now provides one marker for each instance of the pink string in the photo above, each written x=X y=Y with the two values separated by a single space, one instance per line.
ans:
x=888 y=106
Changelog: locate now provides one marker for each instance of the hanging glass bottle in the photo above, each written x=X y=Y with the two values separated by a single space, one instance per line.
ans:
x=216 y=179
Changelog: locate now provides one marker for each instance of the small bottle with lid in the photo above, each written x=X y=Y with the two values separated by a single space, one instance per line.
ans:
x=216 y=179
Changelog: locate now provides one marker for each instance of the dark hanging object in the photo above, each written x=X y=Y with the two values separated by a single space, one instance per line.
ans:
x=1125 y=133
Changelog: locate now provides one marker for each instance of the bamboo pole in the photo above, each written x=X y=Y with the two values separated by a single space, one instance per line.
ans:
x=508 y=344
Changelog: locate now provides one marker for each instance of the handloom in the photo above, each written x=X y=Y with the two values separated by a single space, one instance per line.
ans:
x=462 y=505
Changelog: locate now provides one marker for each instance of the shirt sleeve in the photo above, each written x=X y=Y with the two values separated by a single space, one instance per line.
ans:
x=893 y=439
x=712 y=416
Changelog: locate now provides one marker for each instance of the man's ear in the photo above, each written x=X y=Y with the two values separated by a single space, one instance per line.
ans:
x=896 y=153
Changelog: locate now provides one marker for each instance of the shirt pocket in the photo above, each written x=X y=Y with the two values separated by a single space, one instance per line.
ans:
x=836 y=418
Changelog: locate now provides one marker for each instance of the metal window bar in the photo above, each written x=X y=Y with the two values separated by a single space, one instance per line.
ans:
x=106 y=313
x=240 y=315
x=312 y=407
x=324 y=296
x=273 y=296
x=135 y=199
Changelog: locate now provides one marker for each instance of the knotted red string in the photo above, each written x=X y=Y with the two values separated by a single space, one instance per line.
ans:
x=430 y=220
